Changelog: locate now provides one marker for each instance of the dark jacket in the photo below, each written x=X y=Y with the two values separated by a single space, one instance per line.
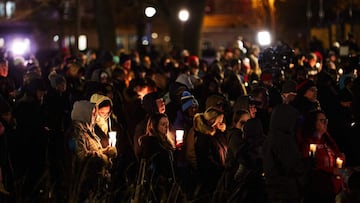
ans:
x=303 y=105
x=244 y=169
x=158 y=154
x=283 y=164
x=210 y=150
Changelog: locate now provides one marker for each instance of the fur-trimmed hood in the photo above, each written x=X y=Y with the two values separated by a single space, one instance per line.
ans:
x=200 y=125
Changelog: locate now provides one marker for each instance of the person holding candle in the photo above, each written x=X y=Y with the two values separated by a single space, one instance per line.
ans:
x=90 y=160
x=106 y=126
x=185 y=115
x=324 y=180
x=106 y=122
x=156 y=147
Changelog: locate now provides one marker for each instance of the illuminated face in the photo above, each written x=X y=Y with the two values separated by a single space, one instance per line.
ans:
x=321 y=123
x=163 y=126
x=252 y=110
x=104 y=112
x=311 y=94
x=243 y=119
x=4 y=69
x=160 y=105
x=127 y=64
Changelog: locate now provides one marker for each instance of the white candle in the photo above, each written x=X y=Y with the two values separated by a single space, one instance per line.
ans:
x=312 y=149
x=179 y=136
x=339 y=162
x=112 y=138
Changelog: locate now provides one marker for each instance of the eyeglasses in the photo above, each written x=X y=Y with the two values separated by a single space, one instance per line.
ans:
x=324 y=120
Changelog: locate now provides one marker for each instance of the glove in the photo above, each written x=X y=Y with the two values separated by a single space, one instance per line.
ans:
x=111 y=152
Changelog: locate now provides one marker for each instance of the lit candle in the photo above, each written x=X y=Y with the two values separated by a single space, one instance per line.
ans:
x=179 y=136
x=112 y=138
x=312 y=149
x=339 y=162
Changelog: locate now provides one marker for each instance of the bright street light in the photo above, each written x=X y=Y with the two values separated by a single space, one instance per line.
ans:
x=264 y=38
x=150 y=11
x=184 y=15
x=20 y=46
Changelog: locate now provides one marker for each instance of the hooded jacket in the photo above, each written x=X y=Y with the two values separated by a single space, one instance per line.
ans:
x=282 y=162
x=210 y=150
x=87 y=143
x=103 y=123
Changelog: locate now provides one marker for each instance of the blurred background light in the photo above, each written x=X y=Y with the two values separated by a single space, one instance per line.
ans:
x=82 y=42
x=184 y=15
x=150 y=11
x=20 y=46
x=264 y=38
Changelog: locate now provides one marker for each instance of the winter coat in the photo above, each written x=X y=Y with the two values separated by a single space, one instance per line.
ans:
x=322 y=180
x=90 y=168
x=210 y=151
x=243 y=173
x=282 y=162
x=158 y=154
x=303 y=105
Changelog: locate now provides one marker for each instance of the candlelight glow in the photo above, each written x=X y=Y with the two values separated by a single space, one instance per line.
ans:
x=179 y=136
x=112 y=138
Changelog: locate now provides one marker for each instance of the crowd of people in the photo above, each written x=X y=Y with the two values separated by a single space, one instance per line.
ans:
x=273 y=125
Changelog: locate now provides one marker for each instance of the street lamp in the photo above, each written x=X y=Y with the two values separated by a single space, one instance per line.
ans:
x=149 y=13
x=183 y=15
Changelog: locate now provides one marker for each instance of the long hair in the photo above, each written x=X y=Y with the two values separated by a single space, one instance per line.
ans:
x=152 y=128
x=237 y=115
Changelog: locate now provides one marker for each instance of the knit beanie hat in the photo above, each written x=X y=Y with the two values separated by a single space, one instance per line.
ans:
x=188 y=100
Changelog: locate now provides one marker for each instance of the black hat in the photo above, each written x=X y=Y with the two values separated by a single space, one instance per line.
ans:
x=289 y=86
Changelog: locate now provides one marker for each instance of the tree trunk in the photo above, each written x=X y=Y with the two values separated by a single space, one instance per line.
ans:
x=192 y=31
x=184 y=35
x=105 y=25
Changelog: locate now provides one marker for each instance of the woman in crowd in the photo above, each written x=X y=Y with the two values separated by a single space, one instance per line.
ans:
x=210 y=149
x=235 y=138
x=324 y=179
x=156 y=148
x=306 y=99
x=107 y=122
